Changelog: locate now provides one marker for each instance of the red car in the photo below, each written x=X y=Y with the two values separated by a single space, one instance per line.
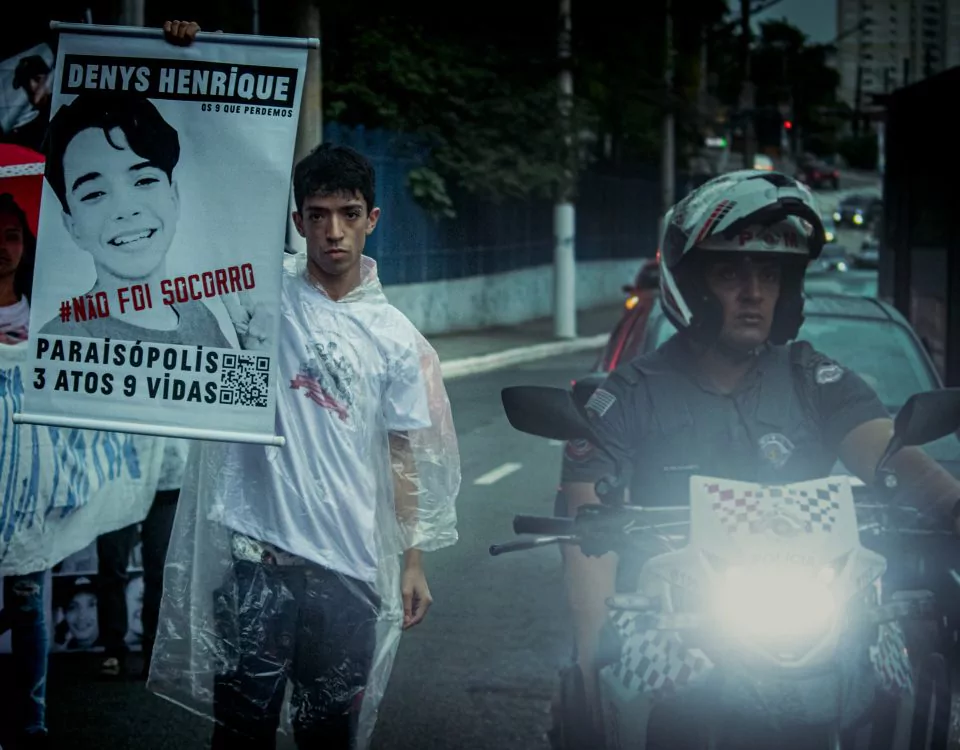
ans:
x=626 y=340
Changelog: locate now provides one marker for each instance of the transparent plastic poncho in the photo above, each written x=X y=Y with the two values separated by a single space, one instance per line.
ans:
x=246 y=622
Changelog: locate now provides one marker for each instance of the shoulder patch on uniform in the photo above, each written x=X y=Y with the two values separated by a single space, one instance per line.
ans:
x=828 y=372
x=600 y=402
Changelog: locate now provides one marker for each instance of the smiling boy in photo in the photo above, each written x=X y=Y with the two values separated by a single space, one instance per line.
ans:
x=111 y=163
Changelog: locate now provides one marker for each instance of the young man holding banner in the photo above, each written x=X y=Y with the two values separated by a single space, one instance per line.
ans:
x=292 y=556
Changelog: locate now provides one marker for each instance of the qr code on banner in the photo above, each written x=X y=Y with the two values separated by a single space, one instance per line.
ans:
x=244 y=379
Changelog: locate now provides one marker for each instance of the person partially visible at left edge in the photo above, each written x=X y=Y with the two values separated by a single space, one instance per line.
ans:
x=369 y=472
x=23 y=613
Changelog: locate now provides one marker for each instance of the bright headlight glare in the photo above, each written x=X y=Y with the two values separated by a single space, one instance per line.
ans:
x=776 y=602
x=858 y=219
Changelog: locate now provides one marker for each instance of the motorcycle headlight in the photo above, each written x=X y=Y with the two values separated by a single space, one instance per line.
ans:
x=776 y=603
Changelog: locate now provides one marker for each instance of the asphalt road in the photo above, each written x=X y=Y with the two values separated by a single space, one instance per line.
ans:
x=478 y=673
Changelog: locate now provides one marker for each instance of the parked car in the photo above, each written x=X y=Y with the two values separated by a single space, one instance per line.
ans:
x=859 y=210
x=818 y=174
x=627 y=336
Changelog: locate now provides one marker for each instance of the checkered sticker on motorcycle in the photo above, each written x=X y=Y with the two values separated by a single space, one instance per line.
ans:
x=815 y=510
x=891 y=660
x=655 y=661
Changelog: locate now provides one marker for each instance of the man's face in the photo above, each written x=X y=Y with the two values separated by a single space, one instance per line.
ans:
x=748 y=291
x=335 y=228
x=11 y=244
x=123 y=209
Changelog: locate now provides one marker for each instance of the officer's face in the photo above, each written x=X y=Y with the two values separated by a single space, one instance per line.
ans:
x=123 y=209
x=748 y=292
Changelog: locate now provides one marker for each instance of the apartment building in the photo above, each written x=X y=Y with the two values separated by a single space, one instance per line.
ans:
x=891 y=43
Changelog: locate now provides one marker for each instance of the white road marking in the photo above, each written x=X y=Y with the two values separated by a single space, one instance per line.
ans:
x=491 y=477
x=955 y=576
x=556 y=442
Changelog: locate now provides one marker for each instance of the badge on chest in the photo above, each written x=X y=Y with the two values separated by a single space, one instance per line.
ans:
x=776 y=449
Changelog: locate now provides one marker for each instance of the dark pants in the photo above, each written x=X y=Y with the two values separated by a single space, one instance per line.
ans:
x=25 y=616
x=113 y=553
x=304 y=623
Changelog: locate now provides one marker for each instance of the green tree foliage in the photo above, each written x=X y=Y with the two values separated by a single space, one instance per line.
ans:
x=484 y=100
x=621 y=75
x=784 y=65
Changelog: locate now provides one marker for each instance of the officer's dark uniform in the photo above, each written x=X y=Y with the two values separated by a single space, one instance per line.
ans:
x=783 y=423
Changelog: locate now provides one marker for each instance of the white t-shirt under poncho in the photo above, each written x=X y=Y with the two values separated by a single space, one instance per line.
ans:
x=349 y=371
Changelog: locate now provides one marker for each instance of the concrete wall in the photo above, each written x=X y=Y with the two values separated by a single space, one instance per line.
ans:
x=506 y=298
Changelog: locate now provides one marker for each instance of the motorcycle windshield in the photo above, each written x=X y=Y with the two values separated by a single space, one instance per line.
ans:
x=805 y=524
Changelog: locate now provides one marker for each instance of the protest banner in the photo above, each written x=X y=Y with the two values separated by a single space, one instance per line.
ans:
x=59 y=490
x=62 y=488
x=161 y=236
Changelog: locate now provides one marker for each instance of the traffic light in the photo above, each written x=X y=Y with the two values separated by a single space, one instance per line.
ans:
x=788 y=124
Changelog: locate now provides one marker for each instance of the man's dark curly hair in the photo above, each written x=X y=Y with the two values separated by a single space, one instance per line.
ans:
x=334 y=170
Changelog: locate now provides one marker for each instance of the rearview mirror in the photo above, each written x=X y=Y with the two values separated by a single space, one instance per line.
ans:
x=925 y=417
x=928 y=416
x=545 y=412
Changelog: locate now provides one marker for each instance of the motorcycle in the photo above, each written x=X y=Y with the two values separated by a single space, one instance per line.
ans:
x=763 y=608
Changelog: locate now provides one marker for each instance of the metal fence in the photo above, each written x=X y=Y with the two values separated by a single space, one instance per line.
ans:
x=616 y=218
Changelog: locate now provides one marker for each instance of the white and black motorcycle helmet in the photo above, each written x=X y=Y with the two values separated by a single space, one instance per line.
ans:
x=744 y=212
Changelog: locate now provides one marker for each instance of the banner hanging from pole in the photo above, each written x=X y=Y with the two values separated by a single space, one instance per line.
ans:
x=161 y=237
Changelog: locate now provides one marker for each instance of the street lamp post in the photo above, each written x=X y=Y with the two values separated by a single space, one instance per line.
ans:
x=564 y=212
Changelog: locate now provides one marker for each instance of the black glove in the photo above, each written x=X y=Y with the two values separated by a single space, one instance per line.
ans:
x=601 y=529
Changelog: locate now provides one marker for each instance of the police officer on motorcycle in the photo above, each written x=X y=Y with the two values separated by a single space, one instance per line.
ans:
x=727 y=396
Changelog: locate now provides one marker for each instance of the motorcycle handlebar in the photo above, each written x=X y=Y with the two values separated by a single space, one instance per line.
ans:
x=542 y=525
x=522 y=544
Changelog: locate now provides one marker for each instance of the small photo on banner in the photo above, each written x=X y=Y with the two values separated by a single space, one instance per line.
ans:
x=75 y=604
x=26 y=81
x=83 y=566
x=72 y=598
